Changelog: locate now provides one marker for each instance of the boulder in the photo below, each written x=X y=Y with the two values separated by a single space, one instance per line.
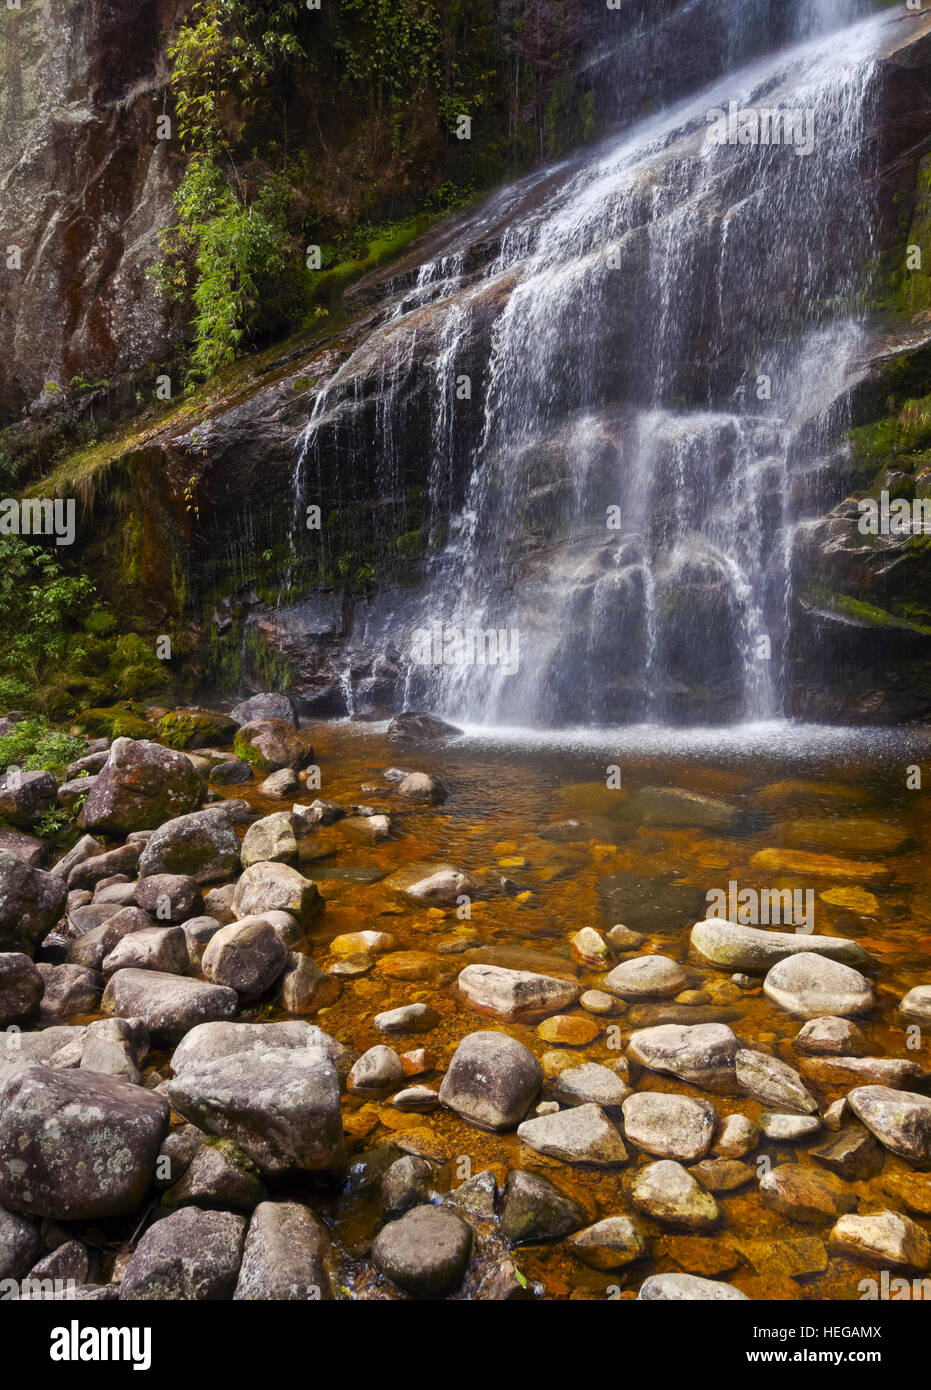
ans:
x=668 y=1125
x=424 y=1252
x=195 y=728
x=169 y=1005
x=646 y=977
x=411 y=727
x=810 y=986
x=916 y=1006
x=191 y=1255
x=24 y=796
x=86 y=848
x=265 y=705
x=900 y=1120
x=270 y=887
x=202 y=846
x=68 y=990
x=862 y=1071
x=21 y=987
x=198 y=932
x=534 y=1211
x=170 y=898
x=76 y=1145
x=282 y=1107
x=31 y=902
x=829 y=1036
x=701 y=1054
x=409 y=1018
x=736 y=1137
x=26 y=847
x=58 y=1046
x=491 y=1080
x=580 y=1135
x=591 y=1084
x=272 y=839
x=270 y=744
x=515 y=994
x=758 y=949
x=422 y=786
x=19 y=1244
x=773 y=1082
x=248 y=955
x=282 y=784
x=92 y=949
x=378 y=1069
x=668 y=1192
x=152 y=948
x=210 y=1042
x=229 y=773
x=687 y=1287
x=141 y=786
x=94 y=868
x=303 y=987
x=287 y=1256
x=407 y=1183
x=218 y=1175
x=116 y=1047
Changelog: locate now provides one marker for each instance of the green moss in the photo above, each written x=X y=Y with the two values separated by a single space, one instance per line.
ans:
x=195 y=729
x=122 y=721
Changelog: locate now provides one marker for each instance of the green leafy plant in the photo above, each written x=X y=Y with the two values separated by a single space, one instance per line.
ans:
x=34 y=745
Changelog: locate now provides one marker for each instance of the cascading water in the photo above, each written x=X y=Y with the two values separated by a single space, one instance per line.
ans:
x=673 y=318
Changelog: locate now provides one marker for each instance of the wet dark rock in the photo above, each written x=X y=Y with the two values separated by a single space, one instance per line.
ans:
x=268 y=745
x=192 y=1255
x=533 y=1210
x=801 y=1194
x=407 y=1183
x=650 y=905
x=94 y=867
x=414 y=728
x=76 y=1145
x=425 y=1252
x=229 y=773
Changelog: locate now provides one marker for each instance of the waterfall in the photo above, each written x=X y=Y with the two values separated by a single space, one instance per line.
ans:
x=675 y=314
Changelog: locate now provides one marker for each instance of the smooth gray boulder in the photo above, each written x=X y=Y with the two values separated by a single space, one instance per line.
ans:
x=140 y=787
x=424 y=1252
x=201 y=845
x=687 y=1287
x=491 y=1080
x=758 y=949
x=169 y=1005
x=515 y=994
x=810 y=986
x=281 y=1107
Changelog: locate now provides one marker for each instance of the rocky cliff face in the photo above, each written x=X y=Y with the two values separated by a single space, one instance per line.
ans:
x=354 y=421
x=85 y=186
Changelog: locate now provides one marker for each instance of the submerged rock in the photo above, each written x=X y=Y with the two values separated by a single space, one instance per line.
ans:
x=817 y=1199
x=668 y=1192
x=773 y=1082
x=702 y=1054
x=668 y=1125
